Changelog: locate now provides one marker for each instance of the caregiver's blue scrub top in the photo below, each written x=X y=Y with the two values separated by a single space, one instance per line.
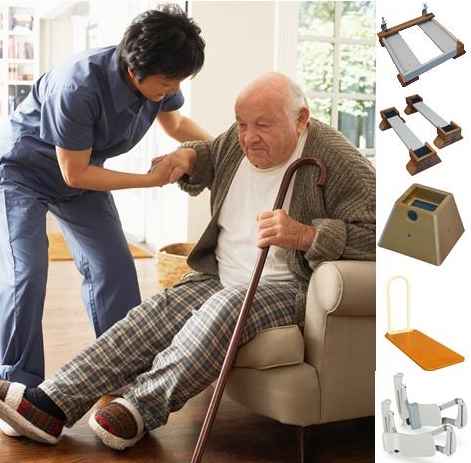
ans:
x=83 y=102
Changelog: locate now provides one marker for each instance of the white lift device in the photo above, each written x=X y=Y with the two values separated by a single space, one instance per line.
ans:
x=408 y=65
x=416 y=416
x=422 y=156
x=414 y=445
x=447 y=132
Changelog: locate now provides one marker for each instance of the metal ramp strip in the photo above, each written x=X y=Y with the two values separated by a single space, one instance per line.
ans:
x=404 y=133
x=422 y=156
x=447 y=132
x=401 y=54
x=430 y=115
x=439 y=35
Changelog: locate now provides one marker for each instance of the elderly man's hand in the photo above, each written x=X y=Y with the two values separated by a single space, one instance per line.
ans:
x=277 y=228
x=179 y=162
x=160 y=171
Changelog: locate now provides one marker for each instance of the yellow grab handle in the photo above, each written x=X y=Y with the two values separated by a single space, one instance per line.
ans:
x=399 y=277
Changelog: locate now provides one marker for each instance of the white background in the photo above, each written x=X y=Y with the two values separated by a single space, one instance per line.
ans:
x=440 y=295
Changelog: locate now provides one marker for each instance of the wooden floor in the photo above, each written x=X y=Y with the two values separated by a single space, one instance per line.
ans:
x=237 y=435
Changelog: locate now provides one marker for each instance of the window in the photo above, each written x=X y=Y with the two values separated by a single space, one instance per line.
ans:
x=334 y=63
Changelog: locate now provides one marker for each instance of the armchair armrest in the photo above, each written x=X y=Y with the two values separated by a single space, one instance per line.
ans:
x=339 y=336
x=346 y=287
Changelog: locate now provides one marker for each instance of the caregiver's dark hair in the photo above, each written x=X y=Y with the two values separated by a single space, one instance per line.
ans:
x=163 y=41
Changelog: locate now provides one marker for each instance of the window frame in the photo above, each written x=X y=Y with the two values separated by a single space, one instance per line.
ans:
x=288 y=38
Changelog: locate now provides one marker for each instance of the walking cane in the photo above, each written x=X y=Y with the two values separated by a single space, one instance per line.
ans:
x=244 y=311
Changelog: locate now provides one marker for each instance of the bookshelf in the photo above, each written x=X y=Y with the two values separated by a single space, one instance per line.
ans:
x=18 y=54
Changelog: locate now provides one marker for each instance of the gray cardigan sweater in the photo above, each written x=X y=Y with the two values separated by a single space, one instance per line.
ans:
x=342 y=211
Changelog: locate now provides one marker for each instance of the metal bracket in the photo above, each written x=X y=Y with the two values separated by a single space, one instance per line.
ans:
x=414 y=445
x=404 y=59
x=417 y=415
x=422 y=156
x=447 y=132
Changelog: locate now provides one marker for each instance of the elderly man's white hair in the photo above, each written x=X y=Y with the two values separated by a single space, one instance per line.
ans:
x=279 y=83
x=296 y=99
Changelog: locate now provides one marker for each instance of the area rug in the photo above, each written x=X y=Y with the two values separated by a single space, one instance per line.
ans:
x=58 y=249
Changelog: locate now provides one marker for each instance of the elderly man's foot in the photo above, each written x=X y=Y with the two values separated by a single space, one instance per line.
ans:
x=25 y=417
x=118 y=424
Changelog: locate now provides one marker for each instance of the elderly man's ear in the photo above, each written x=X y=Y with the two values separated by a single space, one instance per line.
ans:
x=303 y=118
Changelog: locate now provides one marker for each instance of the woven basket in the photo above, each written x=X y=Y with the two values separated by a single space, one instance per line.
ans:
x=171 y=263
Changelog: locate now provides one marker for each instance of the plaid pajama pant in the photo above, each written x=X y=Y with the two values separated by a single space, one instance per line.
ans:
x=168 y=349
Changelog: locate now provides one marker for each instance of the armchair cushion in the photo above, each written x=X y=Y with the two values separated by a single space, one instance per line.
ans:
x=335 y=381
x=271 y=348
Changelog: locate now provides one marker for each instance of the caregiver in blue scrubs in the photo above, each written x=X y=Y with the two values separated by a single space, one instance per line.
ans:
x=92 y=106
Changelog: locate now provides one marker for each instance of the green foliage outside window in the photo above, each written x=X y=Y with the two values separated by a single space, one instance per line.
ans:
x=358 y=20
x=321 y=28
x=357 y=69
x=316 y=18
x=315 y=68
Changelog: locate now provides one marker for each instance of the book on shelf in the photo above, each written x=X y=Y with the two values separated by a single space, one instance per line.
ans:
x=20 y=48
x=20 y=71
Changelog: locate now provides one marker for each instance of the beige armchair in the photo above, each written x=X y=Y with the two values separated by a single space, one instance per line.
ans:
x=325 y=374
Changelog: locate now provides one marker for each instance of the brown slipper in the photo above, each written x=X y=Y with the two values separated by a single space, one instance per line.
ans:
x=118 y=424
x=26 y=418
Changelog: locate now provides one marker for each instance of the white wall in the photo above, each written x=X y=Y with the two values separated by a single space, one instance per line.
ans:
x=240 y=38
x=62 y=30
x=56 y=42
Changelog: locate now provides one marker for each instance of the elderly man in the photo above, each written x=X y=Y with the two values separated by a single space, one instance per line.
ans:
x=172 y=346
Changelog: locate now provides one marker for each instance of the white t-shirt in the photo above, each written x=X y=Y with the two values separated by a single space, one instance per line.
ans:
x=252 y=191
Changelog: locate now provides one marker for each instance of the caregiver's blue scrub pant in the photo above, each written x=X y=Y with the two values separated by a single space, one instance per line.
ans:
x=93 y=232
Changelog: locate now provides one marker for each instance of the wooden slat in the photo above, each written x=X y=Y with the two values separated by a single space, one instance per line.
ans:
x=400 y=27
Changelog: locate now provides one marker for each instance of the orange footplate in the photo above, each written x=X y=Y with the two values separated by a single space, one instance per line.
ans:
x=423 y=350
